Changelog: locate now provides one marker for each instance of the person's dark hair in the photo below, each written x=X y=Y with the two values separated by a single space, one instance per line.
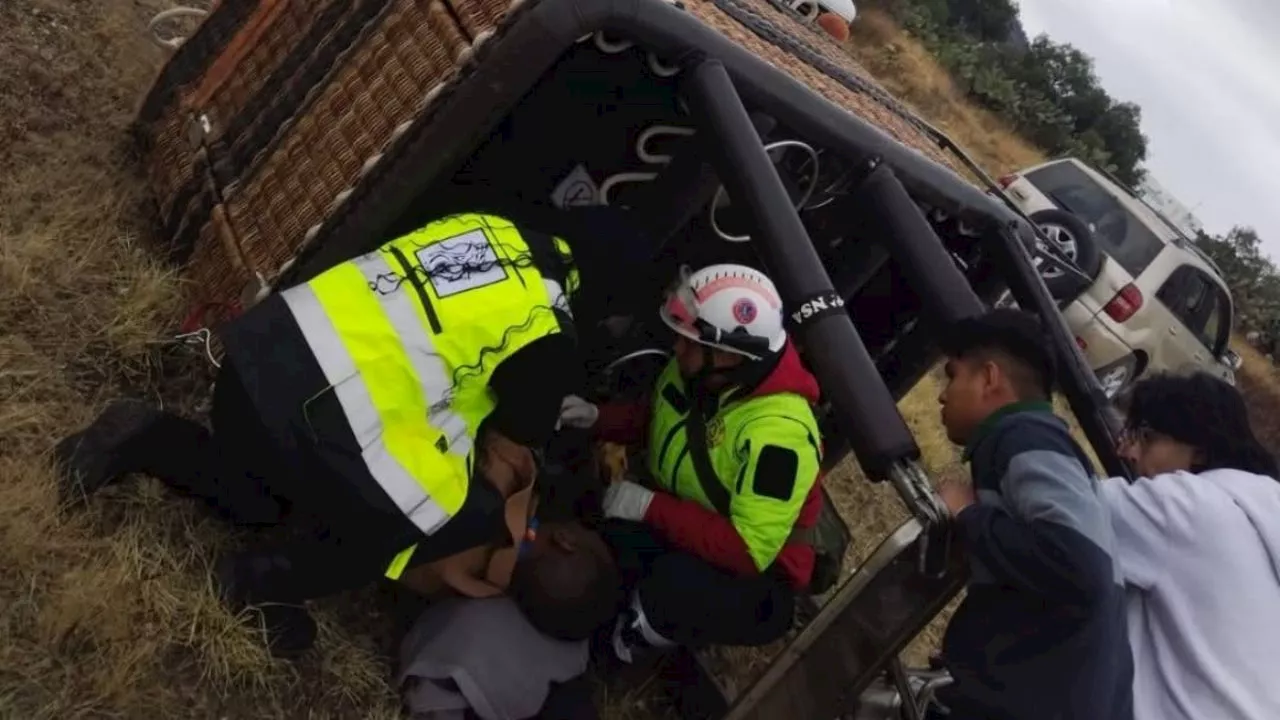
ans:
x=1011 y=335
x=1204 y=412
x=567 y=596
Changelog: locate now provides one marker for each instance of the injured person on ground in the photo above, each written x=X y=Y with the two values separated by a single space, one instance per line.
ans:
x=557 y=569
x=504 y=635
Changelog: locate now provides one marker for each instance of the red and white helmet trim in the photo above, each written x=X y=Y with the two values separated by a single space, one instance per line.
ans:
x=729 y=307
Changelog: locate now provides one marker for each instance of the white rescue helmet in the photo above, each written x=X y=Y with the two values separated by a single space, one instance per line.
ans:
x=733 y=308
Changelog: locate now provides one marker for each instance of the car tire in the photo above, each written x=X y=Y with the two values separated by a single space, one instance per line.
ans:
x=1088 y=257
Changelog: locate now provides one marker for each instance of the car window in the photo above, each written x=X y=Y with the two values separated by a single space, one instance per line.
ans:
x=1213 y=322
x=1119 y=233
x=1180 y=293
x=1198 y=303
x=1217 y=324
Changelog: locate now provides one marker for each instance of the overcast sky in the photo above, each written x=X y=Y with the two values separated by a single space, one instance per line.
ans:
x=1207 y=76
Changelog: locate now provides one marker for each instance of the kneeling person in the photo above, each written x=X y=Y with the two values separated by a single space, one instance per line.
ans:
x=715 y=552
x=351 y=406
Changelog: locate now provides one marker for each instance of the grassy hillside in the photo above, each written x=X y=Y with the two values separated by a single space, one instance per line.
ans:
x=910 y=72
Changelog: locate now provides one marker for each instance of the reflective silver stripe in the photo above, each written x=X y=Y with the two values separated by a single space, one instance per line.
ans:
x=352 y=393
x=401 y=305
x=555 y=293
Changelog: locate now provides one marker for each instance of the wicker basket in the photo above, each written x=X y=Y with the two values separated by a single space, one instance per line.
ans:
x=265 y=120
x=218 y=100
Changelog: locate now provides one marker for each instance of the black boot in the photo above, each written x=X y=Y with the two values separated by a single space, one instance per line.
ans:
x=96 y=456
x=255 y=584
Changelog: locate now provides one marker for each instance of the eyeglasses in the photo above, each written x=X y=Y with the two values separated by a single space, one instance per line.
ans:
x=1137 y=435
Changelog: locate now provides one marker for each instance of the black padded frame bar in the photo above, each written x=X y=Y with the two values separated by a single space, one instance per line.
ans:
x=1075 y=377
x=887 y=212
x=865 y=410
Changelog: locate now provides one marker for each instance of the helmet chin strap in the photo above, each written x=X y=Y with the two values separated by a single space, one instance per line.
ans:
x=699 y=380
x=747 y=374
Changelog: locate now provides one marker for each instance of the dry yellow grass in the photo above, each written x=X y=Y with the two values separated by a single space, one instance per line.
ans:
x=1260 y=384
x=910 y=72
x=108 y=613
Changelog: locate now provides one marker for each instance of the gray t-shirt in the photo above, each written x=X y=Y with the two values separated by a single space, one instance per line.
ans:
x=483 y=655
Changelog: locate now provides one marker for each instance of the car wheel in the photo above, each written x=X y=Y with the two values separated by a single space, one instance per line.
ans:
x=1073 y=238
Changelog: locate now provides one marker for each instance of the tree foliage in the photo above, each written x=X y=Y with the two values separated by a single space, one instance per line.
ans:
x=1251 y=275
x=1048 y=91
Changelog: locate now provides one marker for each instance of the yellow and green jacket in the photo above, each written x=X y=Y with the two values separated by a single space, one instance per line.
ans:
x=400 y=345
x=765 y=449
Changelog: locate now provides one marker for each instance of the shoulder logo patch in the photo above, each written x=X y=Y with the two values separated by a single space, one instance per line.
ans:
x=715 y=432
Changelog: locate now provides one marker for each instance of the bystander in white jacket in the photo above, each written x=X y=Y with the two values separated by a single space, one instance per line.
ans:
x=1200 y=556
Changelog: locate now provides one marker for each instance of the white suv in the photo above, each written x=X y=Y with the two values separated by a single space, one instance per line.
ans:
x=1154 y=301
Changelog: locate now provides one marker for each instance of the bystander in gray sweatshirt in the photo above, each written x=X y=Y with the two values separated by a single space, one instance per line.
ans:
x=1200 y=559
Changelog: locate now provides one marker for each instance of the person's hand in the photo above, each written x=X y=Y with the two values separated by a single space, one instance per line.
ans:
x=577 y=413
x=627 y=500
x=957 y=494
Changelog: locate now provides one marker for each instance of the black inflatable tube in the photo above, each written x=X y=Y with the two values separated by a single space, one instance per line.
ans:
x=865 y=410
x=1075 y=378
x=669 y=32
x=920 y=255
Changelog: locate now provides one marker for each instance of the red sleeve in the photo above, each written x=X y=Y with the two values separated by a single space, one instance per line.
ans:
x=695 y=529
x=622 y=423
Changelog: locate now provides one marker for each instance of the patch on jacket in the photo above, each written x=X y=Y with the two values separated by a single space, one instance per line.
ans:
x=775 y=473
x=715 y=432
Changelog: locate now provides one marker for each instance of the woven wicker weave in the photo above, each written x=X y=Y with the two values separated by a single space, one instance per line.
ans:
x=415 y=46
x=859 y=103
x=269 y=42
x=322 y=93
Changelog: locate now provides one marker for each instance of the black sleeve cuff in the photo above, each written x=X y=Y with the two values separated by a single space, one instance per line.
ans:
x=530 y=385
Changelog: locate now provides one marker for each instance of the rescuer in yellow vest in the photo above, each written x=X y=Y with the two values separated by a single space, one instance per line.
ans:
x=714 y=544
x=354 y=406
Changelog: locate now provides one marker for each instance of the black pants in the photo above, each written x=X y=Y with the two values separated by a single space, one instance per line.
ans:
x=339 y=541
x=692 y=602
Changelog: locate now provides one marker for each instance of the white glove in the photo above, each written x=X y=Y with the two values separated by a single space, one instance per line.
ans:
x=577 y=413
x=626 y=500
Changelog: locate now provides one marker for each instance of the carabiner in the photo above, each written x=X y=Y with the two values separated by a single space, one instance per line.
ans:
x=642 y=142
x=620 y=178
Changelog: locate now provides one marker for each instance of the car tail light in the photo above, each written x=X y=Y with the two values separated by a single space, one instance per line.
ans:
x=1080 y=343
x=1126 y=302
x=1007 y=180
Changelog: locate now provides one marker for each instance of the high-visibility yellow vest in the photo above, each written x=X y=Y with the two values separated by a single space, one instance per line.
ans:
x=735 y=436
x=408 y=336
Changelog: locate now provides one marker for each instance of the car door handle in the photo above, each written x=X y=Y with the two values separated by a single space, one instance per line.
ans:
x=1173 y=331
x=1198 y=358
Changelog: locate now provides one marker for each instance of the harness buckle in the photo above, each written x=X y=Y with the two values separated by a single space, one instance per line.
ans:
x=926 y=505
